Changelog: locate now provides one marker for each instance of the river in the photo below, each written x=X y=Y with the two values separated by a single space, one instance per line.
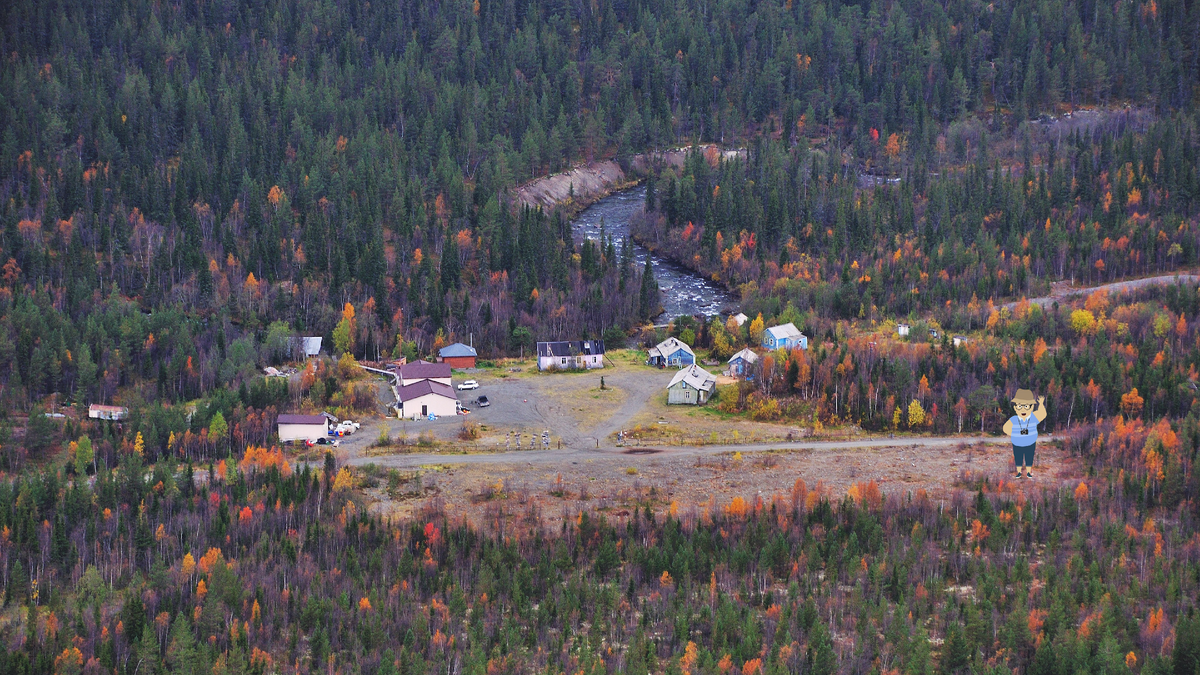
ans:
x=683 y=291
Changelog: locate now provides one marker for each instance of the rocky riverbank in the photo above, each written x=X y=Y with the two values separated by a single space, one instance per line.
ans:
x=574 y=190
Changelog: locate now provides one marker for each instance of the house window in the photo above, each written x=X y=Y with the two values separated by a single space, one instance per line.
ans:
x=564 y=361
x=687 y=395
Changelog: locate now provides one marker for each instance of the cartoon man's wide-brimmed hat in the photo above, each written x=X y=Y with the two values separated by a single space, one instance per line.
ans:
x=1024 y=396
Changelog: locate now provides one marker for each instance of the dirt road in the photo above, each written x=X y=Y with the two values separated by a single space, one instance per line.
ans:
x=622 y=455
x=1065 y=291
x=692 y=455
x=556 y=484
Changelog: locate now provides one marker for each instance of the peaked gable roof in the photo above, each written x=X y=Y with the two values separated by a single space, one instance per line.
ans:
x=457 y=349
x=310 y=345
x=787 y=330
x=672 y=345
x=694 y=376
x=422 y=369
x=570 y=348
x=746 y=355
x=423 y=388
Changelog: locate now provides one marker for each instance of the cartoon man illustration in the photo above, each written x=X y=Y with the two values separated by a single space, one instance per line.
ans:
x=1022 y=427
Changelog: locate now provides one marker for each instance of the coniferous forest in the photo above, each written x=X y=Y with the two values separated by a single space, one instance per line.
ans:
x=186 y=187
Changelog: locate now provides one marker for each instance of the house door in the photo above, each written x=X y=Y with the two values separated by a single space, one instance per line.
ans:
x=425 y=411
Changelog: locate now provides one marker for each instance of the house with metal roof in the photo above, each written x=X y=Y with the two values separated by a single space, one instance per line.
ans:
x=671 y=352
x=458 y=355
x=411 y=373
x=424 y=398
x=107 y=412
x=301 y=427
x=570 y=355
x=692 y=385
x=305 y=347
x=741 y=363
x=786 y=336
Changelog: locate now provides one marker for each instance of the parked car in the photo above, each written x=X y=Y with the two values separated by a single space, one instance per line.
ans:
x=469 y=384
x=482 y=402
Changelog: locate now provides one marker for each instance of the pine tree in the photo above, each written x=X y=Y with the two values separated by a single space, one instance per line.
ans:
x=1186 y=654
x=649 y=304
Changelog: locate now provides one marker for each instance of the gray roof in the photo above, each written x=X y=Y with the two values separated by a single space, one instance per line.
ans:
x=786 y=331
x=457 y=349
x=310 y=345
x=746 y=355
x=670 y=346
x=570 y=348
x=422 y=388
x=694 y=376
x=301 y=419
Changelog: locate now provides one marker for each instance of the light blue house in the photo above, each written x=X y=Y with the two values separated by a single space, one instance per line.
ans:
x=742 y=363
x=671 y=352
x=786 y=336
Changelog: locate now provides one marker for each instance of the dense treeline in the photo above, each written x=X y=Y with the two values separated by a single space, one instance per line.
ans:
x=237 y=164
x=250 y=566
x=1102 y=201
x=1135 y=355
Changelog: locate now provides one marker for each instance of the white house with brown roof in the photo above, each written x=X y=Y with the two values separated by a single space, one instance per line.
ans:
x=426 y=397
x=301 y=427
x=107 y=412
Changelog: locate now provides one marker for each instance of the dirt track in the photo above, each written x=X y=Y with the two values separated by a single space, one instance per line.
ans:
x=558 y=457
x=1066 y=291
x=676 y=462
x=556 y=483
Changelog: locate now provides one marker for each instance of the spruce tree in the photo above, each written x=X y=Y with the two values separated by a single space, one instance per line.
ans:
x=648 y=298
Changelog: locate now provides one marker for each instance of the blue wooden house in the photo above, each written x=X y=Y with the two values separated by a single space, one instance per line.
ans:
x=671 y=352
x=786 y=336
x=742 y=363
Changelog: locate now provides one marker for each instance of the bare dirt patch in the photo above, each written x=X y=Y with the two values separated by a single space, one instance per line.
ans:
x=662 y=476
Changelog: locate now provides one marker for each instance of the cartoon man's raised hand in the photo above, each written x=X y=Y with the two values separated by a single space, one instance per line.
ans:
x=1041 y=402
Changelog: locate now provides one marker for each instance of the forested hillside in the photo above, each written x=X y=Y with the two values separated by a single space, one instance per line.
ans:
x=186 y=186
x=1101 y=202
x=252 y=567
x=229 y=166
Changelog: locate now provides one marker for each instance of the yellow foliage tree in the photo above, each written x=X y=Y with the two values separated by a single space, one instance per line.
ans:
x=343 y=334
x=916 y=414
x=1083 y=322
x=344 y=480
x=756 y=328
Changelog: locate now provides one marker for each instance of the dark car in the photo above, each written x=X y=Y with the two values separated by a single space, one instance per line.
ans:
x=482 y=402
